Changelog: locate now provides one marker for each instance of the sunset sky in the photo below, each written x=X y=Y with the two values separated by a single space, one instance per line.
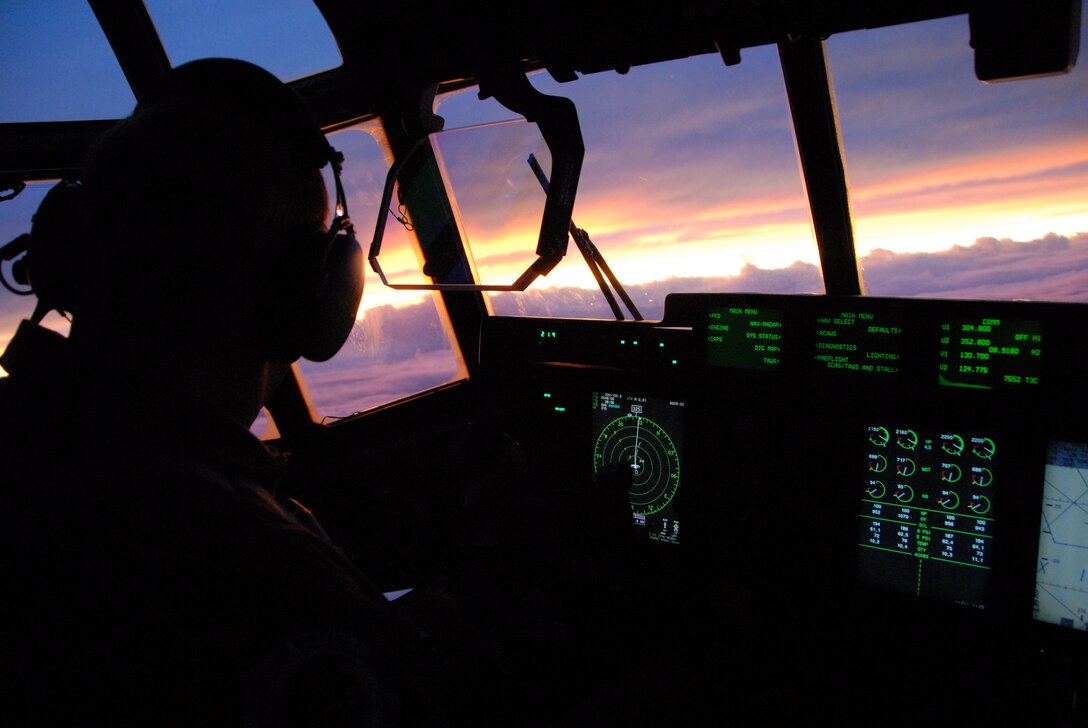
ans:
x=690 y=170
x=691 y=167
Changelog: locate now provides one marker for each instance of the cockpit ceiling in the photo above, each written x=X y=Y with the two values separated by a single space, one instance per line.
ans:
x=439 y=43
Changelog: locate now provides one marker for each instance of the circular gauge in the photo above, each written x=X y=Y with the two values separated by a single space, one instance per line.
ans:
x=875 y=489
x=877 y=463
x=948 y=499
x=983 y=447
x=950 y=472
x=879 y=436
x=979 y=504
x=952 y=444
x=981 y=476
x=903 y=493
x=639 y=443
x=907 y=439
x=905 y=467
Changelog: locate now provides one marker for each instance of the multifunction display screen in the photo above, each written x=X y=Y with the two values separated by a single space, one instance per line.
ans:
x=641 y=439
x=1061 y=577
x=745 y=338
x=858 y=341
x=927 y=524
x=983 y=353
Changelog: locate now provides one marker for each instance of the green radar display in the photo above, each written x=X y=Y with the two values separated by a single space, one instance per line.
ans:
x=640 y=438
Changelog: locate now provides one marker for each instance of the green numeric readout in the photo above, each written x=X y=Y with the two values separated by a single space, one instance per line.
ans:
x=744 y=338
x=985 y=353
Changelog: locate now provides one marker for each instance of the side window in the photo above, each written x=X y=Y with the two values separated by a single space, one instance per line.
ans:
x=15 y=218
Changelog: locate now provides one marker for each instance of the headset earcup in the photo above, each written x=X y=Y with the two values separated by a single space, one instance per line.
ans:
x=335 y=301
x=56 y=234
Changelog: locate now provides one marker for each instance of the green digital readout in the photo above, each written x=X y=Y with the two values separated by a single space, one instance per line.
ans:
x=744 y=338
x=858 y=341
x=984 y=353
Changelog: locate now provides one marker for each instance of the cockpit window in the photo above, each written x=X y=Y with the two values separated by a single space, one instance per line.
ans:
x=57 y=70
x=690 y=182
x=288 y=37
x=959 y=188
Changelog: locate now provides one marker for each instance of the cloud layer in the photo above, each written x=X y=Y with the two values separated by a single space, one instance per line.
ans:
x=396 y=352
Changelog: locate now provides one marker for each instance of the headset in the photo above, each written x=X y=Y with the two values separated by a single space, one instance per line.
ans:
x=323 y=274
x=327 y=306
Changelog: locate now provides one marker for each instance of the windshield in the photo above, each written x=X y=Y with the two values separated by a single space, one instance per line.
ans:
x=959 y=188
x=691 y=180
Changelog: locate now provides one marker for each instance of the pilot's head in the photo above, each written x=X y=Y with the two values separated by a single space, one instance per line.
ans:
x=207 y=212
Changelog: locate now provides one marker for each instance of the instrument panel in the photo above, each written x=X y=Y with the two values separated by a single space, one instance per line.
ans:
x=844 y=452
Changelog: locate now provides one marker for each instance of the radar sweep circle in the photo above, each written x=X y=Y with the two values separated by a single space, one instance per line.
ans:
x=643 y=446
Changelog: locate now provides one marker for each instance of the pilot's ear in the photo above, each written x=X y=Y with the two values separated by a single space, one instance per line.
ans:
x=324 y=285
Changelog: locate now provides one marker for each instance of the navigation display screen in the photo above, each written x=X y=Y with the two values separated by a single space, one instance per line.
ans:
x=744 y=338
x=1061 y=577
x=642 y=438
x=858 y=341
x=926 y=525
x=983 y=353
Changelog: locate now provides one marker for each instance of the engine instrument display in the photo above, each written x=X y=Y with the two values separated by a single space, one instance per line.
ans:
x=641 y=437
x=927 y=520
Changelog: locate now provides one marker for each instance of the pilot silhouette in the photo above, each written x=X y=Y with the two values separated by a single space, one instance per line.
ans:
x=154 y=579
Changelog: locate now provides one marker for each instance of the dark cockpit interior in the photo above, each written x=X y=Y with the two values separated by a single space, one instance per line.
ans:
x=831 y=507
x=849 y=505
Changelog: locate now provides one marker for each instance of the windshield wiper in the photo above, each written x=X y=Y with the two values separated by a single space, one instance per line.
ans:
x=596 y=262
